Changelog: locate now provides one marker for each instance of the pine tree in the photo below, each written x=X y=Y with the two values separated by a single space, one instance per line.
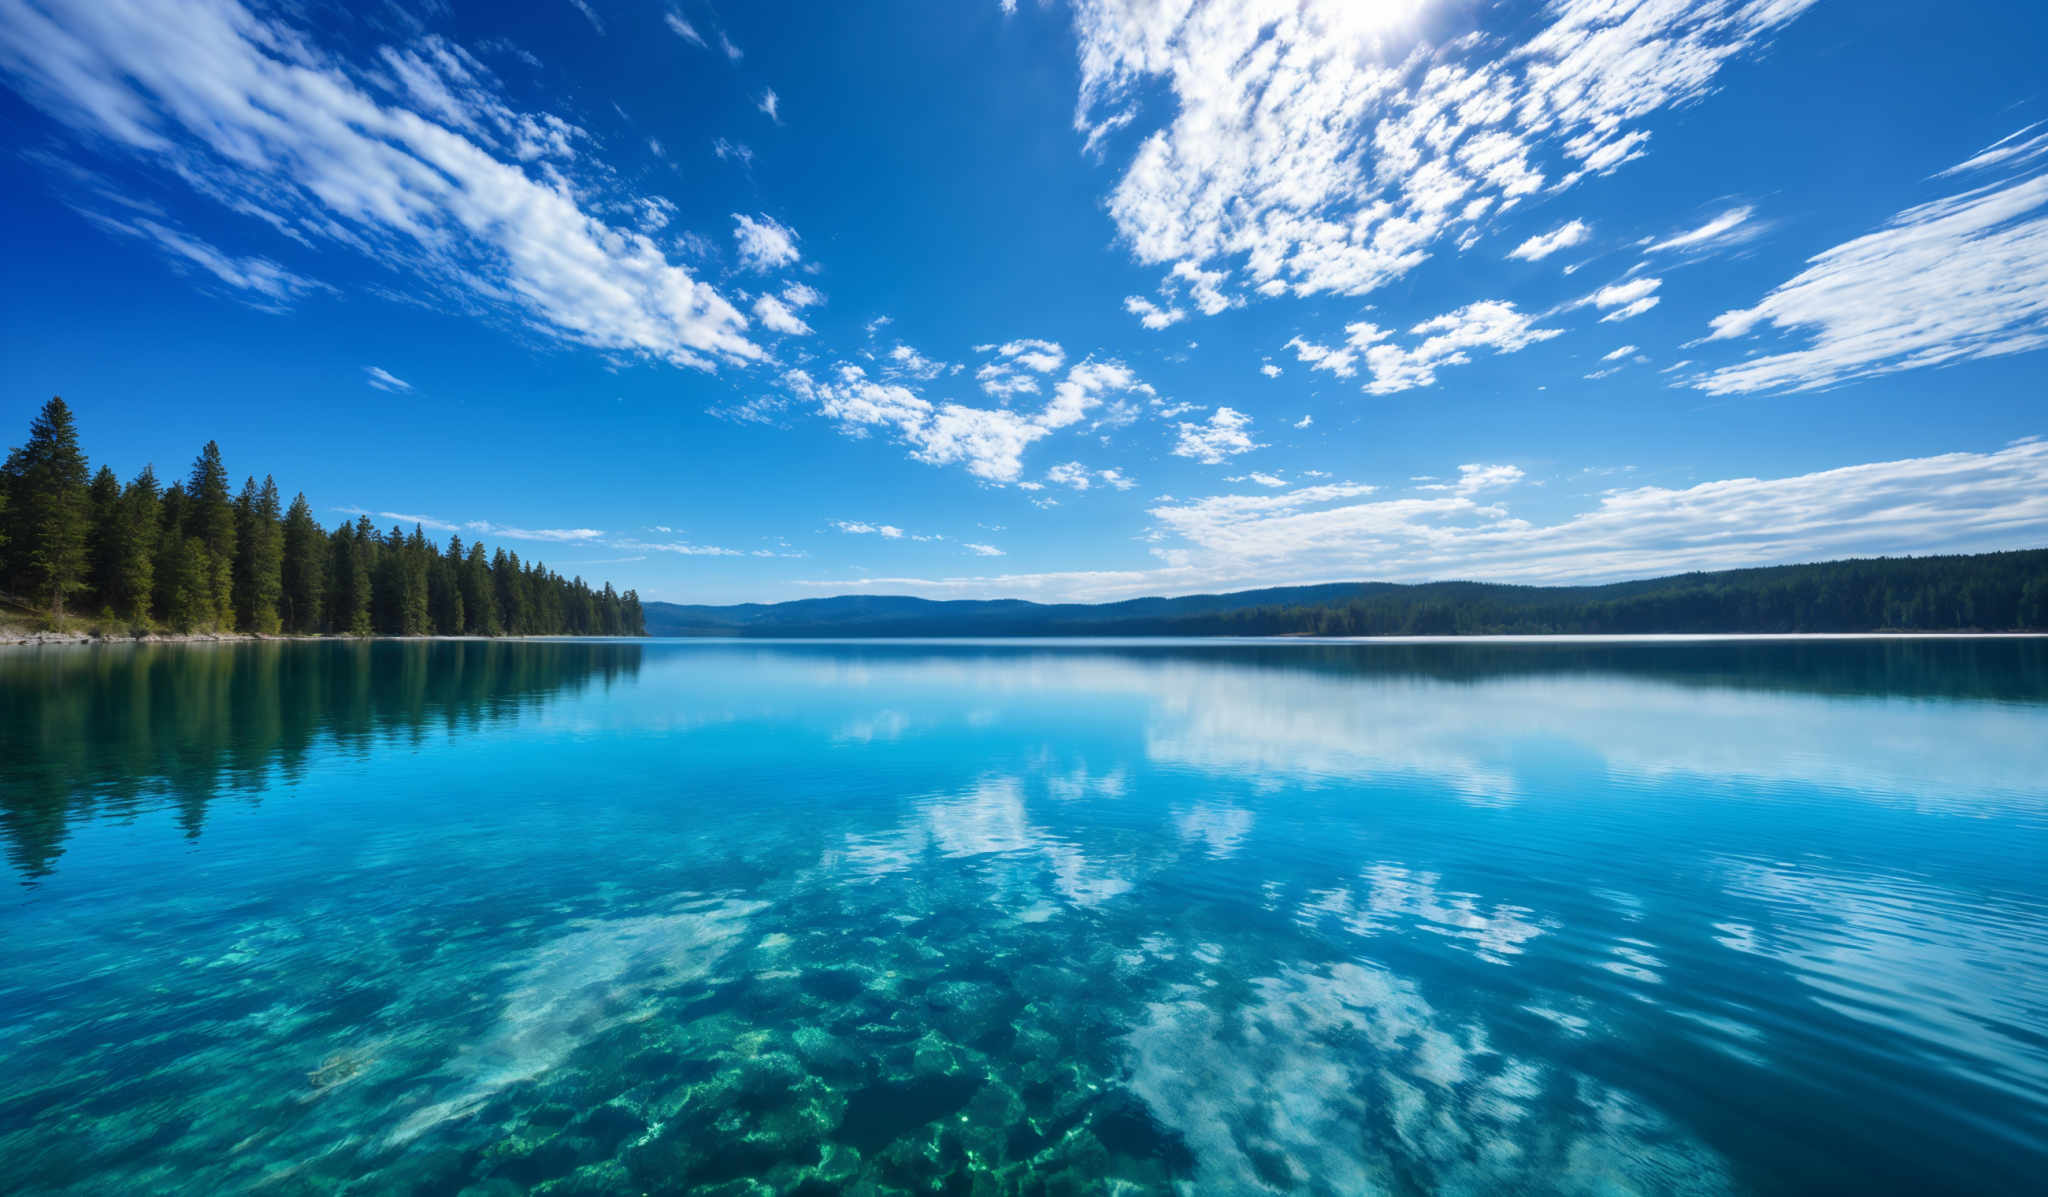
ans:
x=102 y=538
x=304 y=570
x=362 y=579
x=210 y=522
x=134 y=576
x=259 y=558
x=47 y=510
x=444 y=589
x=479 y=596
x=415 y=617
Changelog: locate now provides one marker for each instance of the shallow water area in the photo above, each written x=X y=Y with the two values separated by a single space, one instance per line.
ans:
x=1200 y=917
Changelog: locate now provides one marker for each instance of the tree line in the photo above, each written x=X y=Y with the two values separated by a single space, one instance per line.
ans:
x=1993 y=592
x=196 y=556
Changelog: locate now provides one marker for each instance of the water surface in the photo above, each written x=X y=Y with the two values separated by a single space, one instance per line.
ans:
x=595 y=917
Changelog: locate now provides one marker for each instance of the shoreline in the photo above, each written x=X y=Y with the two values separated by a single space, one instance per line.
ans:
x=16 y=638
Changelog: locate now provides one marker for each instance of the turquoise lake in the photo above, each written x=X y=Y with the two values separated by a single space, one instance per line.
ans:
x=1027 y=917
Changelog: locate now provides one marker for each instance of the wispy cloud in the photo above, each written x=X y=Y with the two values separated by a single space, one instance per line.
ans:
x=1541 y=246
x=385 y=380
x=1957 y=278
x=683 y=29
x=419 y=164
x=1304 y=152
x=1729 y=228
x=1625 y=299
x=1954 y=502
x=259 y=281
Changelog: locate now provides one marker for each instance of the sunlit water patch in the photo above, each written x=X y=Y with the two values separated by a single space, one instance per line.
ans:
x=1199 y=918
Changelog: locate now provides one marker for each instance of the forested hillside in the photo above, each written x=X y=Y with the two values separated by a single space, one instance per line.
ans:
x=1982 y=592
x=195 y=556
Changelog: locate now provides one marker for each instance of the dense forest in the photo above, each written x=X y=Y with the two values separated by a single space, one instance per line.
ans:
x=1981 y=592
x=195 y=556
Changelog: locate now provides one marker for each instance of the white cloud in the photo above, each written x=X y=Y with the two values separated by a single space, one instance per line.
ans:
x=1541 y=246
x=1152 y=315
x=1447 y=340
x=990 y=443
x=903 y=361
x=1474 y=478
x=1618 y=354
x=764 y=242
x=385 y=380
x=771 y=104
x=1954 y=279
x=1304 y=422
x=862 y=528
x=1016 y=364
x=776 y=316
x=733 y=151
x=682 y=548
x=417 y=162
x=1205 y=287
x=1341 y=362
x=801 y=295
x=589 y=13
x=262 y=282
x=1226 y=434
x=1079 y=477
x=1728 y=228
x=981 y=550
x=2014 y=149
x=1625 y=300
x=1310 y=150
x=1950 y=503
x=1270 y=370
x=683 y=29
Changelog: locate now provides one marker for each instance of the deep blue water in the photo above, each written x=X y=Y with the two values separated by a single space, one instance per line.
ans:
x=602 y=917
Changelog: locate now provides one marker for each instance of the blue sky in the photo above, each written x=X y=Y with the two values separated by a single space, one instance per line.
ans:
x=1064 y=300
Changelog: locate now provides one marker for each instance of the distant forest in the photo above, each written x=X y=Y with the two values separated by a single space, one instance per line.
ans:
x=1983 y=592
x=196 y=557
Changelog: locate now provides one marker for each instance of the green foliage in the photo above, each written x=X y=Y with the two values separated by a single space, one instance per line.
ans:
x=194 y=557
x=210 y=524
x=1984 y=592
x=259 y=558
x=133 y=578
x=47 y=511
x=303 y=569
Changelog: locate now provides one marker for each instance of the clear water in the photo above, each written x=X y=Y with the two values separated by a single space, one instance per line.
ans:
x=737 y=918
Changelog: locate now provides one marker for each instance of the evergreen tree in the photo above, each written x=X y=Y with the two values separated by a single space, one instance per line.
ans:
x=479 y=597
x=510 y=585
x=195 y=556
x=259 y=558
x=47 y=510
x=102 y=537
x=130 y=589
x=415 y=612
x=170 y=538
x=444 y=590
x=304 y=570
x=210 y=523
x=361 y=605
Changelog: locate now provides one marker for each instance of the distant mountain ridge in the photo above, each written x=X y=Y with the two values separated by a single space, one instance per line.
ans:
x=2005 y=591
